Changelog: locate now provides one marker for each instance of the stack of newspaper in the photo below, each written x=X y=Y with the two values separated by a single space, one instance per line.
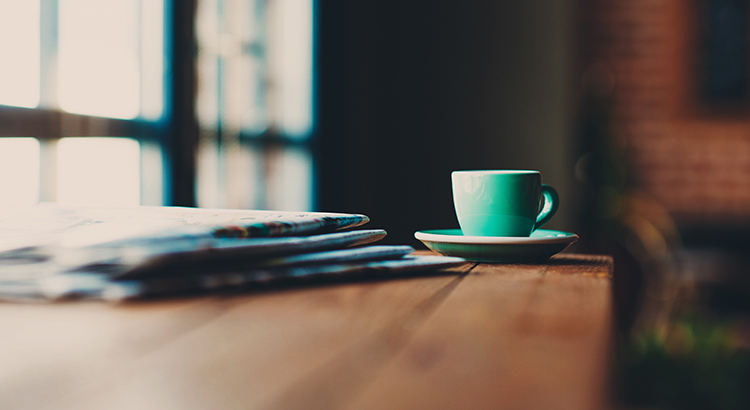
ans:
x=53 y=252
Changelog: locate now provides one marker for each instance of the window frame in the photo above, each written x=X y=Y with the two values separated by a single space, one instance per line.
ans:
x=227 y=136
x=177 y=132
x=49 y=125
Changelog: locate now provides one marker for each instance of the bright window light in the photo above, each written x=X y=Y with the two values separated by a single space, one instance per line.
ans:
x=152 y=59
x=19 y=53
x=295 y=46
x=99 y=71
x=19 y=171
x=290 y=182
x=152 y=176
x=98 y=171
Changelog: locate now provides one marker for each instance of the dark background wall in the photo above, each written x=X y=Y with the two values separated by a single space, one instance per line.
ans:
x=410 y=91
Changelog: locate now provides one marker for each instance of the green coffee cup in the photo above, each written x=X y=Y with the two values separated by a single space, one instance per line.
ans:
x=502 y=202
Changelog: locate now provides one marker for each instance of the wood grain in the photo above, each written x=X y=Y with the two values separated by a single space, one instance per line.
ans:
x=337 y=381
x=481 y=336
x=510 y=337
x=48 y=351
x=257 y=349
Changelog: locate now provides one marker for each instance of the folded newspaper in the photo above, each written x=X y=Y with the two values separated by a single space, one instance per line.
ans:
x=52 y=252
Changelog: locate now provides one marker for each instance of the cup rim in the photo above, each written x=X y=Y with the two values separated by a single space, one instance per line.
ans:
x=499 y=171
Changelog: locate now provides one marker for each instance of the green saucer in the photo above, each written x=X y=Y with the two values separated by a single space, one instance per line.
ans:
x=538 y=247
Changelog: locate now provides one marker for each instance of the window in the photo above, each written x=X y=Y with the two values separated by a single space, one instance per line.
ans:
x=97 y=104
x=255 y=108
x=73 y=70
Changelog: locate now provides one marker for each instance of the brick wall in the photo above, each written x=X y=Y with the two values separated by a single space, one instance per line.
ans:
x=694 y=157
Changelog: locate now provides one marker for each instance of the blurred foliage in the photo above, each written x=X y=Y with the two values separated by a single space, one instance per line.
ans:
x=698 y=365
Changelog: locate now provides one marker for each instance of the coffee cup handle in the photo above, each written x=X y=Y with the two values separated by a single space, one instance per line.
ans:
x=548 y=206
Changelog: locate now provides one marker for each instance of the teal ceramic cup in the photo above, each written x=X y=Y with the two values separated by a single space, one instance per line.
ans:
x=502 y=202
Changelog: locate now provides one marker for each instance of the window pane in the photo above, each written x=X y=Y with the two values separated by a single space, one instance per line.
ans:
x=98 y=171
x=289 y=180
x=290 y=62
x=99 y=71
x=152 y=58
x=208 y=174
x=19 y=171
x=230 y=176
x=255 y=84
x=255 y=63
x=19 y=48
x=255 y=114
x=207 y=104
x=152 y=174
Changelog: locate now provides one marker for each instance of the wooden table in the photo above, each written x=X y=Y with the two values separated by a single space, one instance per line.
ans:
x=482 y=337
